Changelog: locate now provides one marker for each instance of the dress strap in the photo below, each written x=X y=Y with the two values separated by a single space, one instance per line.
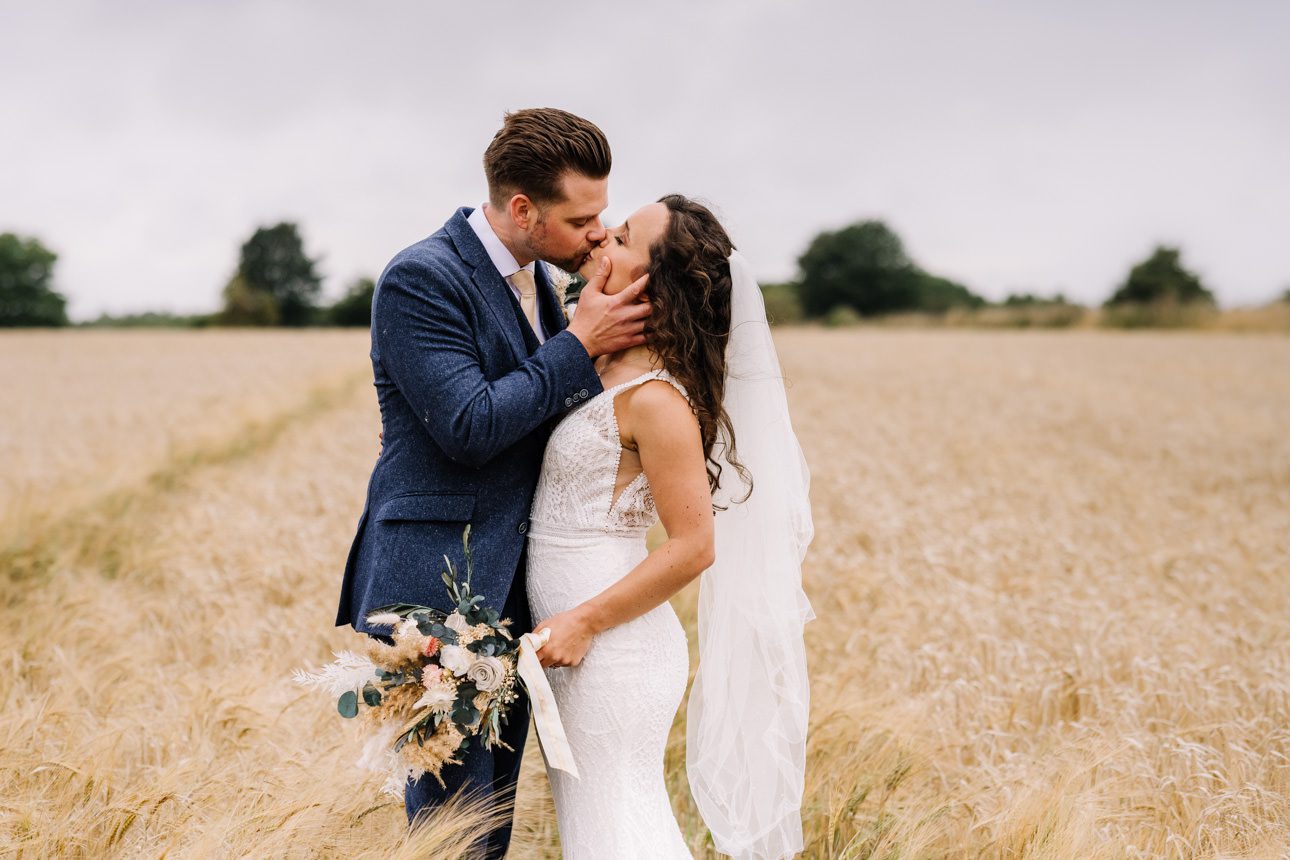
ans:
x=659 y=373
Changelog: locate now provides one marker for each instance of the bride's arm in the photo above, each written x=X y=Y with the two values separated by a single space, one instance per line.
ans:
x=665 y=432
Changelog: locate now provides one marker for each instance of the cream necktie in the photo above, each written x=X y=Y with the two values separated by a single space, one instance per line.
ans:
x=523 y=281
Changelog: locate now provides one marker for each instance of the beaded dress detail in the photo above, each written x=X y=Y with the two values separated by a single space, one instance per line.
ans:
x=618 y=704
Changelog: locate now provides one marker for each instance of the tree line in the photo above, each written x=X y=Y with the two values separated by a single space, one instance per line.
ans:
x=275 y=283
x=863 y=271
x=859 y=271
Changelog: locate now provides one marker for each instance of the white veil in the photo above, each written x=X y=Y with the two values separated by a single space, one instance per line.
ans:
x=747 y=712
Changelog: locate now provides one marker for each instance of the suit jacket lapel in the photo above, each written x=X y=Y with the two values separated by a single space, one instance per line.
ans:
x=497 y=293
x=488 y=280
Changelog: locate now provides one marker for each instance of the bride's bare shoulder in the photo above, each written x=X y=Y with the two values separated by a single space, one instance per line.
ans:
x=656 y=409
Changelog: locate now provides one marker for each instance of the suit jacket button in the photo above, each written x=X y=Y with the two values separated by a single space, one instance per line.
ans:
x=583 y=392
x=523 y=527
x=568 y=401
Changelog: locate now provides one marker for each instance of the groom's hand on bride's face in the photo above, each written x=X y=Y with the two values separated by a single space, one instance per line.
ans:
x=610 y=323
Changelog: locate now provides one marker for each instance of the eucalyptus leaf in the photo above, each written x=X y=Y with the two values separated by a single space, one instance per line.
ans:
x=348 y=704
x=443 y=633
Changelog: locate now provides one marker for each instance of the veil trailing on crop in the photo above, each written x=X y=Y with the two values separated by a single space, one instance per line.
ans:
x=747 y=712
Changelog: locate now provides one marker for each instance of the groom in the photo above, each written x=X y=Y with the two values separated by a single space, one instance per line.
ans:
x=472 y=360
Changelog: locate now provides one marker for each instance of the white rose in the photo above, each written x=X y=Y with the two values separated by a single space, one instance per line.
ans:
x=455 y=659
x=456 y=622
x=487 y=673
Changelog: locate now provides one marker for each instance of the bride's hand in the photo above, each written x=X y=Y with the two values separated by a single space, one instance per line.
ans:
x=571 y=634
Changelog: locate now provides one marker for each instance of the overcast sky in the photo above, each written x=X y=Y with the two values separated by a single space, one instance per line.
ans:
x=1014 y=146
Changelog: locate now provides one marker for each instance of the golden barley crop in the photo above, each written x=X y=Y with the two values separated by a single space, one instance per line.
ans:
x=1052 y=575
x=89 y=412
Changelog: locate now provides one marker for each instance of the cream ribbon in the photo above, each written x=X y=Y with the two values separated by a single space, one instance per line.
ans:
x=551 y=738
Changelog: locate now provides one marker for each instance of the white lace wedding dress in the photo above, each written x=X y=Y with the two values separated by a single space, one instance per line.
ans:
x=617 y=705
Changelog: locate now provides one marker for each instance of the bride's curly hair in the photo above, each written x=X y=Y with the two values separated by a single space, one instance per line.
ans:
x=689 y=323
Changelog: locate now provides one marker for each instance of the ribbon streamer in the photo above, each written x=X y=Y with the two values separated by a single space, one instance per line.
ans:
x=551 y=737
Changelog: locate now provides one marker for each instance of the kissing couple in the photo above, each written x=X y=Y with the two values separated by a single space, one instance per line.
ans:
x=562 y=441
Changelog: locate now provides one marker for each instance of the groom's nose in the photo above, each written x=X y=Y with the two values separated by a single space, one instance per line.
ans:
x=598 y=233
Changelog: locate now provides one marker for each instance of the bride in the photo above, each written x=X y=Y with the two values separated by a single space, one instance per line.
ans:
x=692 y=429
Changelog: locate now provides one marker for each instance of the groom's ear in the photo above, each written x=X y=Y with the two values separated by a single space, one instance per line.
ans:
x=522 y=211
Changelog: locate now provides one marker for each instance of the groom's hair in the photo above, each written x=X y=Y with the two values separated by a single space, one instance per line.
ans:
x=537 y=146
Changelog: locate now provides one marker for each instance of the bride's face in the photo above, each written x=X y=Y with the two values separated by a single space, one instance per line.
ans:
x=627 y=247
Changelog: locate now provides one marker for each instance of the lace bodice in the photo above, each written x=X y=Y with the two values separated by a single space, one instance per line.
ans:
x=580 y=470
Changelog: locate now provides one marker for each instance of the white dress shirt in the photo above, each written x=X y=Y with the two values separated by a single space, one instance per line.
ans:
x=504 y=260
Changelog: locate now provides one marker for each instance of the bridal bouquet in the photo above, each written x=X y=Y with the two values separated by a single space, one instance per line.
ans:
x=448 y=679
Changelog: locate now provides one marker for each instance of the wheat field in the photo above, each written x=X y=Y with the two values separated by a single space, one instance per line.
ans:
x=1052 y=575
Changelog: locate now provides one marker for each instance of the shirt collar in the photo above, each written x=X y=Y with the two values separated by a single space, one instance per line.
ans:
x=502 y=259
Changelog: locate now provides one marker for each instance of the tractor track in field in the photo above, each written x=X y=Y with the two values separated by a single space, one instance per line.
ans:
x=97 y=532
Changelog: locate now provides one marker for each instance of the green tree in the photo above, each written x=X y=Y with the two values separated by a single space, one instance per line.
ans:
x=865 y=267
x=783 y=304
x=26 y=273
x=147 y=319
x=273 y=262
x=1161 y=278
x=355 y=307
x=862 y=266
x=936 y=294
x=1015 y=300
x=244 y=305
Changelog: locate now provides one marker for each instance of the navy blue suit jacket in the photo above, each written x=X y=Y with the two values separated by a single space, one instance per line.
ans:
x=467 y=400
